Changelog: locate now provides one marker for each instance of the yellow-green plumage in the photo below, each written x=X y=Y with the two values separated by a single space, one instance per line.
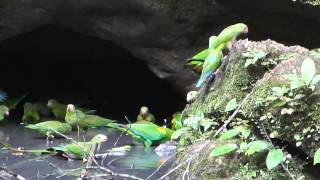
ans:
x=4 y=111
x=49 y=127
x=30 y=113
x=145 y=115
x=80 y=150
x=77 y=118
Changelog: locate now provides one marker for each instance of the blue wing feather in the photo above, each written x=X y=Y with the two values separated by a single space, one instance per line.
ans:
x=203 y=78
x=3 y=96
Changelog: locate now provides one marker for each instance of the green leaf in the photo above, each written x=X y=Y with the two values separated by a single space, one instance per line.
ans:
x=176 y=134
x=256 y=146
x=308 y=70
x=192 y=122
x=245 y=132
x=207 y=123
x=316 y=158
x=229 y=134
x=274 y=158
x=315 y=80
x=224 y=149
x=232 y=105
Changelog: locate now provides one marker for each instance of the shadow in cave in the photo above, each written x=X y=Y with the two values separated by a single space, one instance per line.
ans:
x=55 y=62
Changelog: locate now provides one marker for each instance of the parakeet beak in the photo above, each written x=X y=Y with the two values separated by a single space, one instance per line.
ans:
x=7 y=113
x=49 y=104
x=246 y=30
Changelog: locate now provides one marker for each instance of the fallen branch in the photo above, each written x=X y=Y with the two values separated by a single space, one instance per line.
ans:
x=10 y=173
x=187 y=161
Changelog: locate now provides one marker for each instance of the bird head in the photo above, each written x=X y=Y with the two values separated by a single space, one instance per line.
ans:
x=4 y=109
x=244 y=28
x=52 y=102
x=144 y=110
x=99 y=138
x=70 y=108
x=191 y=96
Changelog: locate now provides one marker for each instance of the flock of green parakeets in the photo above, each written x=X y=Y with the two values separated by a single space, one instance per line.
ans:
x=69 y=117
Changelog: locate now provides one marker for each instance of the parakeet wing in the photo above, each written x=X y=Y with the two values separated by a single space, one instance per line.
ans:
x=148 y=131
x=211 y=64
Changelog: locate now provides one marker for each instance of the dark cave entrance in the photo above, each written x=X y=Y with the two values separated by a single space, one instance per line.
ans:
x=55 y=62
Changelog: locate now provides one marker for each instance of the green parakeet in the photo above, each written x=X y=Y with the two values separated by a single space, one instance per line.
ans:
x=42 y=108
x=30 y=113
x=77 y=118
x=216 y=47
x=211 y=64
x=177 y=121
x=49 y=127
x=59 y=110
x=81 y=150
x=228 y=35
x=145 y=115
x=196 y=62
x=148 y=132
x=4 y=111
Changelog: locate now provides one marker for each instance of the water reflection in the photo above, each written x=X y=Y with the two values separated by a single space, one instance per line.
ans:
x=139 y=161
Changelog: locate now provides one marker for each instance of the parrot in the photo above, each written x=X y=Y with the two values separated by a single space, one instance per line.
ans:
x=148 y=133
x=48 y=128
x=145 y=115
x=211 y=64
x=80 y=150
x=4 y=111
x=77 y=118
x=30 y=113
x=42 y=109
x=59 y=110
x=3 y=96
x=228 y=35
x=196 y=62
x=216 y=46
x=176 y=121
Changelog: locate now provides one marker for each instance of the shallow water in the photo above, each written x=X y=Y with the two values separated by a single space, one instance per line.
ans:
x=140 y=161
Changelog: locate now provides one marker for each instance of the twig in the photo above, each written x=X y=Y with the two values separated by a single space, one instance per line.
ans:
x=155 y=171
x=19 y=177
x=233 y=115
x=282 y=164
x=116 y=174
x=84 y=172
x=187 y=161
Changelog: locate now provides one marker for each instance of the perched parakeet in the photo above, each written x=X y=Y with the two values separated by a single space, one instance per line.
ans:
x=196 y=62
x=77 y=118
x=145 y=115
x=42 y=109
x=48 y=128
x=228 y=35
x=30 y=113
x=81 y=150
x=176 y=121
x=4 y=111
x=211 y=64
x=3 y=96
x=59 y=110
x=148 y=132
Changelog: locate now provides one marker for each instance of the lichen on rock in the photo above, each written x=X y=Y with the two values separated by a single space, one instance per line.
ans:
x=274 y=109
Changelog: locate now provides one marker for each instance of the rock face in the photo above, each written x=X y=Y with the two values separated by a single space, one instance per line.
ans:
x=162 y=32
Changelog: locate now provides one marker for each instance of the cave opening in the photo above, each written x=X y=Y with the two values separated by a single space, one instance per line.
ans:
x=53 y=62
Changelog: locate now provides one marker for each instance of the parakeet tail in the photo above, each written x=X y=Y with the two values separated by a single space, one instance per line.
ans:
x=3 y=96
x=203 y=78
x=31 y=126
